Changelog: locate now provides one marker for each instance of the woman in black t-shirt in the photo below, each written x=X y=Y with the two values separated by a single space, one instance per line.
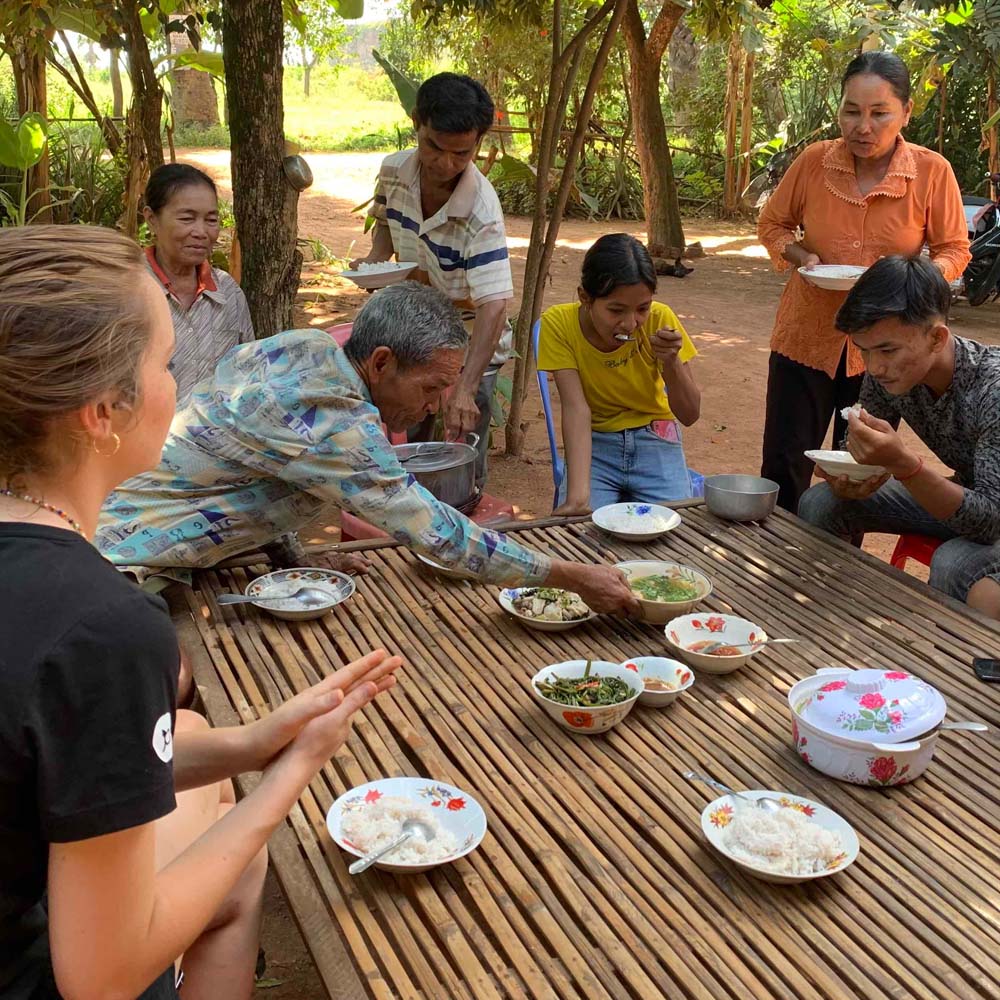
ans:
x=121 y=848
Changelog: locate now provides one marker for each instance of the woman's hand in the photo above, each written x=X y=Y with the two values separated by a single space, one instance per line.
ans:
x=810 y=261
x=314 y=724
x=666 y=344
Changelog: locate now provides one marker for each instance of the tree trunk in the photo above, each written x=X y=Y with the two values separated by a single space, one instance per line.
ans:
x=664 y=229
x=730 y=195
x=115 y=74
x=147 y=94
x=545 y=224
x=32 y=96
x=683 y=57
x=746 y=128
x=264 y=203
x=306 y=70
x=193 y=97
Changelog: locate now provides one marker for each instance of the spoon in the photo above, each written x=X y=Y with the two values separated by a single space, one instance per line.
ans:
x=410 y=828
x=765 y=802
x=308 y=597
x=969 y=727
x=744 y=645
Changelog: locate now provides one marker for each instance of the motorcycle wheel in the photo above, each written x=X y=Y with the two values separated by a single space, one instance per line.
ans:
x=981 y=277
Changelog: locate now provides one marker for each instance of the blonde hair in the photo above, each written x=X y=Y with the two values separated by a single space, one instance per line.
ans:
x=72 y=327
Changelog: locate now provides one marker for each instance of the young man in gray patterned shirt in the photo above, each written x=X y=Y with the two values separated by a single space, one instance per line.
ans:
x=947 y=389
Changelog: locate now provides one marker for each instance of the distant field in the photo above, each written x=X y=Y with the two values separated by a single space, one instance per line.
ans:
x=348 y=109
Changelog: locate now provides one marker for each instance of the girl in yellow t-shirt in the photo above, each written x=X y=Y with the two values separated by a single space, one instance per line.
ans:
x=620 y=364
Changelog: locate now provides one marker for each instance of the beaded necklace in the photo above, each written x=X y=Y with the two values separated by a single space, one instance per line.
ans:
x=75 y=525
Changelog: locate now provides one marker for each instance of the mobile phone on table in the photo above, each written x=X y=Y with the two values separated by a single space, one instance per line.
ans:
x=986 y=669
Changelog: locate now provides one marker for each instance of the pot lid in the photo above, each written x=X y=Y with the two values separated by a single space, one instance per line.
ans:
x=434 y=456
x=884 y=706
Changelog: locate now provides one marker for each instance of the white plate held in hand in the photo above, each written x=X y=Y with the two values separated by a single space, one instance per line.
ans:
x=841 y=463
x=832 y=277
x=378 y=276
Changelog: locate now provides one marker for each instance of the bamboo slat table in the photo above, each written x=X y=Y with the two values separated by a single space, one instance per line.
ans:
x=594 y=879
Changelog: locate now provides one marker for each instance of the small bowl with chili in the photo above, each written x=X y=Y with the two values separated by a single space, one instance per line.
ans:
x=664 y=589
x=690 y=635
x=663 y=680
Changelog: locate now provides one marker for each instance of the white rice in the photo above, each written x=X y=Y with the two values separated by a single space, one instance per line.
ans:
x=785 y=842
x=378 y=824
x=848 y=410
x=637 y=523
x=380 y=266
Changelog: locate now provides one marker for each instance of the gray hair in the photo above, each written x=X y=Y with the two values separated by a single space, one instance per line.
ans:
x=412 y=320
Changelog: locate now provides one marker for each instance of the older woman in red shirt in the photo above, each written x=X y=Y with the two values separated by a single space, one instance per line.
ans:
x=847 y=201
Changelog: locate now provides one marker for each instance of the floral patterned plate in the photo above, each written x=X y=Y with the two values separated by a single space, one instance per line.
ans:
x=274 y=585
x=456 y=811
x=717 y=815
x=635 y=522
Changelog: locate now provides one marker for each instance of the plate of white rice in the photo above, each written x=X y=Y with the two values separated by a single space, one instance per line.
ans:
x=802 y=841
x=378 y=274
x=371 y=816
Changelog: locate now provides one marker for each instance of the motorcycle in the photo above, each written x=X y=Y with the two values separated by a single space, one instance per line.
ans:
x=982 y=276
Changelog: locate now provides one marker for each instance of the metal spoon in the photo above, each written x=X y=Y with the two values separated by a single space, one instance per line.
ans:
x=410 y=828
x=766 y=802
x=969 y=727
x=308 y=597
x=744 y=645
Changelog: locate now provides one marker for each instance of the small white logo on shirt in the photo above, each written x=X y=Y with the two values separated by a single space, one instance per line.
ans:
x=163 y=739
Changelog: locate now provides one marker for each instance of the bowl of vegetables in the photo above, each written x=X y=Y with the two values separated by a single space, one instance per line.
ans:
x=665 y=589
x=663 y=680
x=545 y=609
x=715 y=644
x=587 y=696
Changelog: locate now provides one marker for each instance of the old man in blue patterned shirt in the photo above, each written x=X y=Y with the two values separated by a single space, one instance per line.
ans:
x=291 y=425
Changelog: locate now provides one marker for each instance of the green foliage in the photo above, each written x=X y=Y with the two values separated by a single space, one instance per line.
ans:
x=79 y=162
x=320 y=32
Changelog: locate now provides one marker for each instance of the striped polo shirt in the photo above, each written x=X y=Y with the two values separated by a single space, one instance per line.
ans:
x=217 y=321
x=462 y=247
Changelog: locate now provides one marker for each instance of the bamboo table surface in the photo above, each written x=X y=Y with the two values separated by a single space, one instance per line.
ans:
x=594 y=879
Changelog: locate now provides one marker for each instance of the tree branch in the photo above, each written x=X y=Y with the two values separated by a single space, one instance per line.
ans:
x=663 y=29
x=589 y=27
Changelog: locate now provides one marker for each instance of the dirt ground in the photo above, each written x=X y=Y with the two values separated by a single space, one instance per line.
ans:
x=727 y=306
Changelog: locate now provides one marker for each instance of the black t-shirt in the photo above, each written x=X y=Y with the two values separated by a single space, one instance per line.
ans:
x=88 y=686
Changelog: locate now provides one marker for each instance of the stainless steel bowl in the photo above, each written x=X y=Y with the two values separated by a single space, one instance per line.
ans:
x=740 y=498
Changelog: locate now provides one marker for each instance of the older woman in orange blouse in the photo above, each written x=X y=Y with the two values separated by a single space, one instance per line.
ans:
x=847 y=201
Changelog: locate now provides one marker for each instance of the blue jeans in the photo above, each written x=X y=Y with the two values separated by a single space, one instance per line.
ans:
x=635 y=466
x=955 y=566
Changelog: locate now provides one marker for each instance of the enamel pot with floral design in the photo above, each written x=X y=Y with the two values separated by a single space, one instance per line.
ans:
x=869 y=727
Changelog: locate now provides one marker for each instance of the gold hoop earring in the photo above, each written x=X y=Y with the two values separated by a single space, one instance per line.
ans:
x=107 y=454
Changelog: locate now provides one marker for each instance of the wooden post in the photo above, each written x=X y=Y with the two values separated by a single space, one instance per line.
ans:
x=730 y=197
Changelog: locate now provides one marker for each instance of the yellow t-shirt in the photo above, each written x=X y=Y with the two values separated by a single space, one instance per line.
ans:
x=624 y=389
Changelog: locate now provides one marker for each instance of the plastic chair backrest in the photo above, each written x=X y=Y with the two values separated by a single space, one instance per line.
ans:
x=558 y=466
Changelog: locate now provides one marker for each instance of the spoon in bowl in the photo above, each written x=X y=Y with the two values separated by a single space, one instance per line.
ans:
x=712 y=647
x=410 y=828
x=766 y=802
x=308 y=597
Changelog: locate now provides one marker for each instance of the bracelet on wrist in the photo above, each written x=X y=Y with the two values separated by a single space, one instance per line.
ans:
x=910 y=475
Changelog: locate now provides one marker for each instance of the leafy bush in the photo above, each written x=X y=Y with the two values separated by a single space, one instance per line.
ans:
x=204 y=136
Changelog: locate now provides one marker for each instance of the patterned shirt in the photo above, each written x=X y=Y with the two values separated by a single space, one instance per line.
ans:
x=462 y=248
x=917 y=203
x=215 y=322
x=284 y=430
x=961 y=427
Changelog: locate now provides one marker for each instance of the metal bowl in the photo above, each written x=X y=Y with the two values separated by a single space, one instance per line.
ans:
x=740 y=498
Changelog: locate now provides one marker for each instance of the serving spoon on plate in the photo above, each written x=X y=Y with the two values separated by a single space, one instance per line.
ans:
x=768 y=803
x=410 y=828
x=712 y=647
x=308 y=597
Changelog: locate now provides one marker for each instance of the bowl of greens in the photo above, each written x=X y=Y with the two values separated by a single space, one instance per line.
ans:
x=587 y=696
x=665 y=589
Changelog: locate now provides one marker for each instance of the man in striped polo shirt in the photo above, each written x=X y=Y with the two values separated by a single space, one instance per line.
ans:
x=433 y=206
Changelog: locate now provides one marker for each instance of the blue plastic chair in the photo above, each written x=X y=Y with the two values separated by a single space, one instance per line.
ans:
x=558 y=465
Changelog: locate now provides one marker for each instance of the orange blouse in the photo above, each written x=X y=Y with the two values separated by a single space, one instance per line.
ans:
x=917 y=203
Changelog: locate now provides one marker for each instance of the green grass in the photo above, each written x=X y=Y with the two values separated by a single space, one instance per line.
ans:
x=348 y=109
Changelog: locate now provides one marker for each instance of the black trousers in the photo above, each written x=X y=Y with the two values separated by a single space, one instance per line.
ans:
x=800 y=402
